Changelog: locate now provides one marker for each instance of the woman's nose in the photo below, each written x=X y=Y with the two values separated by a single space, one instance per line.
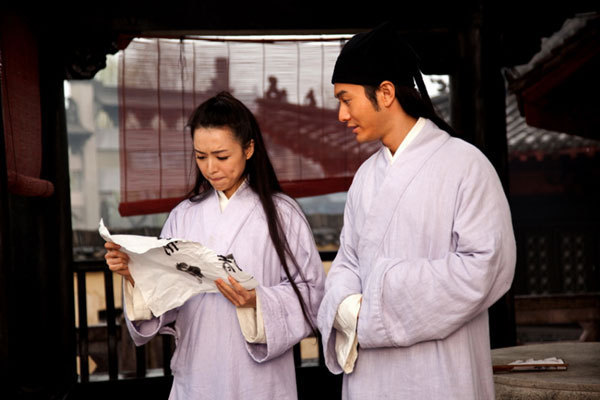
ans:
x=212 y=165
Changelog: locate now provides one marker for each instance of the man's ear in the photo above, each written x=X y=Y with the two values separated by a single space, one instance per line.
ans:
x=387 y=93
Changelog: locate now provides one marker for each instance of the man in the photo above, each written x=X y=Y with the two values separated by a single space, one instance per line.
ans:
x=427 y=244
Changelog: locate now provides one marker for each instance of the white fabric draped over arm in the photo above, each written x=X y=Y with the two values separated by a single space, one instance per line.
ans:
x=346 y=338
x=342 y=281
x=251 y=323
x=135 y=306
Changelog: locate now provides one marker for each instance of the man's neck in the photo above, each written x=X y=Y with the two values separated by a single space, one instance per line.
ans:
x=398 y=128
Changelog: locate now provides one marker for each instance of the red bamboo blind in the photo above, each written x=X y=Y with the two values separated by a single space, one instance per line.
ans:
x=286 y=83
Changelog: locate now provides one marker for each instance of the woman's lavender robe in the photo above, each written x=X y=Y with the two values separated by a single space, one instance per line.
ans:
x=212 y=360
x=428 y=241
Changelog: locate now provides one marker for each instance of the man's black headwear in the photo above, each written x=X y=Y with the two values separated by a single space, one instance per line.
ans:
x=370 y=58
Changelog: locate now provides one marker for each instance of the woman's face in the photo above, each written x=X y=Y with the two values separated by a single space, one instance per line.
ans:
x=221 y=158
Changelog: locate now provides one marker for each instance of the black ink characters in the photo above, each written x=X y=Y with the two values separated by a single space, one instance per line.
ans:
x=190 y=269
x=229 y=264
x=170 y=248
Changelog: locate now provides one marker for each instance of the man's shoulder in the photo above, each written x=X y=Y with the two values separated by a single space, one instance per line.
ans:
x=463 y=152
x=462 y=158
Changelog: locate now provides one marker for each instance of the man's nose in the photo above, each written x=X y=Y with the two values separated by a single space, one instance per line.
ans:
x=343 y=114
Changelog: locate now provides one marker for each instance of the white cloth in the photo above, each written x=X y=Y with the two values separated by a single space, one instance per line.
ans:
x=167 y=272
x=250 y=319
x=135 y=306
x=251 y=322
x=346 y=341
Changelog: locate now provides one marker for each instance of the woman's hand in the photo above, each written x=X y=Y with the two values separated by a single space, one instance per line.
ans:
x=118 y=261
x=236 y=293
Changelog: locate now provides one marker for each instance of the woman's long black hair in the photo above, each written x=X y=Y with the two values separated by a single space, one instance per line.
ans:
x=224 y=110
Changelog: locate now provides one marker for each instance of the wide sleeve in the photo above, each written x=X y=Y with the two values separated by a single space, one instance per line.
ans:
x=284 y=322
x=406 y=301
x=342 y=281
x=143 y=331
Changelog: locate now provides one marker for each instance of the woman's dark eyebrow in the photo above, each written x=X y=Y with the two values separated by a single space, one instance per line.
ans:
x=212 y=152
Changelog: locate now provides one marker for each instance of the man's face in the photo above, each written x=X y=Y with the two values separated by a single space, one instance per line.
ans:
x=357 y=111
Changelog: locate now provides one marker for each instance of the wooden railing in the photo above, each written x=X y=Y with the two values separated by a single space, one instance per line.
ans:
x=308 y=374
x=81 y=268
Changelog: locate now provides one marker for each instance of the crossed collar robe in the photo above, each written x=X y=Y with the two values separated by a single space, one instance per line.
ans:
x=212 y=360
x=428 y=242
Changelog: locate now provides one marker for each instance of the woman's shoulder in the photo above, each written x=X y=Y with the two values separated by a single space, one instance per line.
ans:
x=180 y=217
x=190 y=204
x=287 y=206
x=285 y=203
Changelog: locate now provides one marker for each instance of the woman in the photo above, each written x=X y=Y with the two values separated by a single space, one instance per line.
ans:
x=237 y=343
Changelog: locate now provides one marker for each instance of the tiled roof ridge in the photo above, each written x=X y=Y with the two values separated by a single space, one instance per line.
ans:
x=525 y=141
x=570 y=32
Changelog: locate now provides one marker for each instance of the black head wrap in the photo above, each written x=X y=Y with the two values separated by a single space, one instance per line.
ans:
x=370 y=58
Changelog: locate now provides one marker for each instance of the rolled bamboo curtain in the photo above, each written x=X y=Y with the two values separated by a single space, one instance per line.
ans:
x=286 y=83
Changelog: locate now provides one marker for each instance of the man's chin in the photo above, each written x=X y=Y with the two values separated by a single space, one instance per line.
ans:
x=364 y=139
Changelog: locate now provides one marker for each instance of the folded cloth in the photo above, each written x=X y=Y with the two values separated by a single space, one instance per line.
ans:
x=251 y=322
x=135 y=305
x=346 y=338
x=167 y=272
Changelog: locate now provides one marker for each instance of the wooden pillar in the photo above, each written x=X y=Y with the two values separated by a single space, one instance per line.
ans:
x=58 y=214
x=478 y=113
x=36 y=304
x=5 y=286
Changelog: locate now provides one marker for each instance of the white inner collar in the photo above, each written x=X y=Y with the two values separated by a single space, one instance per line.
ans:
x=412 y=134
x=223 y=200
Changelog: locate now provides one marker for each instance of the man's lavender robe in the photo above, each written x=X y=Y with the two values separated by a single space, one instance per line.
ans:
x=212 y=360
x=429 y=243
